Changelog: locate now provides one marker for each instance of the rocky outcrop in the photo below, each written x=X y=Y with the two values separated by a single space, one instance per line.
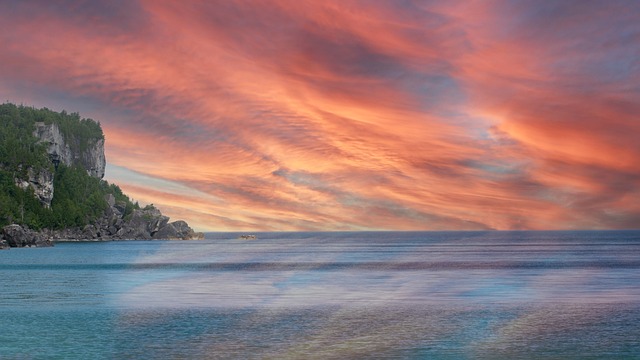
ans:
x=141 y=224
x=144 y=224
x=60 y=150
x=177 y=230
x=18 y=236
x=41 y=181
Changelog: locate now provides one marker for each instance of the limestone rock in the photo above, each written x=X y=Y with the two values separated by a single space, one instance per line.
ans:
x=144 y=223
x=141 y=224
x=91 y=158
x=119 y=207
x=110 y=199
x=42 y=184
x=89 y=232
x=178 y=230
x=18 y=236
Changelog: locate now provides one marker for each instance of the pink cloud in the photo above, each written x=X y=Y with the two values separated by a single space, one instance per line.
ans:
x=306 y=115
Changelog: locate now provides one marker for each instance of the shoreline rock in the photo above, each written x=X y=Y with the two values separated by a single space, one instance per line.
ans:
x=140 y=224
x=15 y=235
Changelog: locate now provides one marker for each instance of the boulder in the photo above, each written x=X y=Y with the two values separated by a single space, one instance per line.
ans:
x=18 y=236
x=89 y=232
x=144 y=223
x=119 y=207
x=177 y=230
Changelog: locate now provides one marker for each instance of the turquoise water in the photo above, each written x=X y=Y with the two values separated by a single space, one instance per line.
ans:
x=422 y=295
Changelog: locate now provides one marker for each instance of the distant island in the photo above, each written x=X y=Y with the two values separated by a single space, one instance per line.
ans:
x=51 y=186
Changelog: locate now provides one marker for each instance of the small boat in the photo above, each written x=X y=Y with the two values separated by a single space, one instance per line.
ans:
x=247 y=237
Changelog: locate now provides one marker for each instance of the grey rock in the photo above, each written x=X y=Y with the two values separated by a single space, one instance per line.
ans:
x=144 y=223
x=92 y=158
x=18 y=236
x=41 y=181
x=141 y=224
x=42 y=184
x=177 y=230
x=110 y=199
x=89 y=232
x=119 y=207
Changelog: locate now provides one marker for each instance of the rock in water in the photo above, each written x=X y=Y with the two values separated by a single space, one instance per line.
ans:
x=18 y=236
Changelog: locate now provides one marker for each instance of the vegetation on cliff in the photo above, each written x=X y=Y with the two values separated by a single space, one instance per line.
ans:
x=78 y=199
x=18 y=147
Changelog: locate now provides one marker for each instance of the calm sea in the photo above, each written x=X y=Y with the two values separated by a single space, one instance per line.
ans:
x=414 y=295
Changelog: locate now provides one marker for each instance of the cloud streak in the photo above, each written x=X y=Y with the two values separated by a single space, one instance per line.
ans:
x=287 y=115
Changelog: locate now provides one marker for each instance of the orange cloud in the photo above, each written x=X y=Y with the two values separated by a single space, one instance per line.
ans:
x=344 y=116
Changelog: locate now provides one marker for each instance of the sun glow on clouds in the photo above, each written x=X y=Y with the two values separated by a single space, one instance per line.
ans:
x=294 y=115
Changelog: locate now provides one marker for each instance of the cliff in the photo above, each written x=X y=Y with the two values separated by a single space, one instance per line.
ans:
x=69 y=152
x=51 y=187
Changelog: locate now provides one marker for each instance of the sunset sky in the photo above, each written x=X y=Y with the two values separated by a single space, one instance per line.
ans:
x=348 y=115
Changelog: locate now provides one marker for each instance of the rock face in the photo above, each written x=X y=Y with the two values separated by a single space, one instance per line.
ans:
x=42 y=184
x=60 y=151
x=18 y=236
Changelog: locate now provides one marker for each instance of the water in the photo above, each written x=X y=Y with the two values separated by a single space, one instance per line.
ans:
x=416 y=295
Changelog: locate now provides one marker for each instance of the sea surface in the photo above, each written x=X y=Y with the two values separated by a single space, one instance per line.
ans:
x=405 y=295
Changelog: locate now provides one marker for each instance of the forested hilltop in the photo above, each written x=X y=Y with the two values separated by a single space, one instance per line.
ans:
x=78 y=199
x=51 y=169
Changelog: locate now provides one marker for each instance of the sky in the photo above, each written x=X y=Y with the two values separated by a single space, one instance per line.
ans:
x=348 y=115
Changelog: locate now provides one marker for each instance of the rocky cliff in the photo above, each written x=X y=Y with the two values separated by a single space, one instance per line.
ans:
x=89 y=156
x=62 y=145
x=68 y=152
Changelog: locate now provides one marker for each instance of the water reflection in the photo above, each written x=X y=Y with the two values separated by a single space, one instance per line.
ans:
x=295 y=295
x=422 y=268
